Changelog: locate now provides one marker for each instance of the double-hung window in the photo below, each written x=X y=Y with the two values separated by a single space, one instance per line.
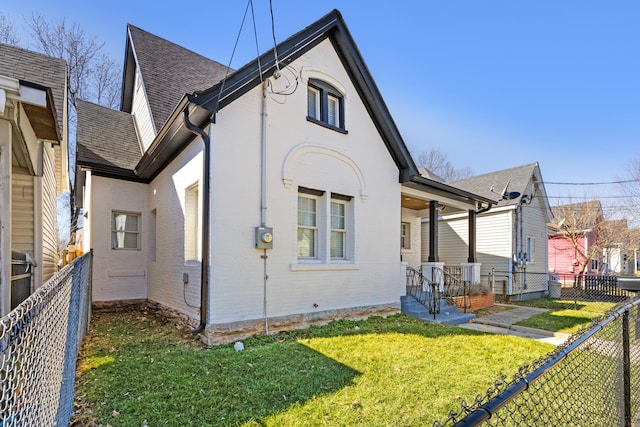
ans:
x=338 y=229
x=405 y=235
x=325 y=229
x=125 y=230
x=531 y=249
x=325 y=105
x=307 y=226
x=192 y=224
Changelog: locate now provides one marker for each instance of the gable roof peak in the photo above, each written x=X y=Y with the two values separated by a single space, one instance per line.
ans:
x=167 y=70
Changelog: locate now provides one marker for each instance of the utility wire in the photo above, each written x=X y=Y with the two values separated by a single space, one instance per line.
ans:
x=249 y=3
x=255 y=36
x=273 y=34
x=627 y=181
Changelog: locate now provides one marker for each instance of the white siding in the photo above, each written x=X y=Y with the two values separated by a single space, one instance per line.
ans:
x=22 y=208
x=493 y=241
x=142 y=115
x=49 y=216
x=536 y=227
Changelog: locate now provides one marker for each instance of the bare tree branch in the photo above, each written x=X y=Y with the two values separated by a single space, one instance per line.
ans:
x=8 y=34
x=91 y=75
x=630 y=188
x=436 y=161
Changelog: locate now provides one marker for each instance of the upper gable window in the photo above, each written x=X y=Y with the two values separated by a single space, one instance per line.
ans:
x=325 y=105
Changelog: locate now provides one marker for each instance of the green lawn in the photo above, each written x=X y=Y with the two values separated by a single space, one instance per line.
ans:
x=566 y=316
x=137 y=369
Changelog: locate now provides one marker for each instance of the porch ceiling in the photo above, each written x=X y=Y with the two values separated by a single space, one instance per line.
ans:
x=419 y=200
x=414 y=203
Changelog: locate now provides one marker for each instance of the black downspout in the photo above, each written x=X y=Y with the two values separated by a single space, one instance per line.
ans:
x=204 y=272
x=472 y=238
x=433 y=231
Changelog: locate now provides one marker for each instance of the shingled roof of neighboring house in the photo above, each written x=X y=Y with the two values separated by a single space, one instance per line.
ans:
x=45 y=71
x=583 y=215
x=168 y=72
x=106 y=140
x=492 y=185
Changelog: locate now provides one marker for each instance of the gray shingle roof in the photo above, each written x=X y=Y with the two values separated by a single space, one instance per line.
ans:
x=106 y=137
x=584 y=215
x=517 y=177
x=169 y=71
x=40 y=69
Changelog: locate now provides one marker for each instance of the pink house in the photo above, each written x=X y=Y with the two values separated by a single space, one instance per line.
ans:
x=577 y=221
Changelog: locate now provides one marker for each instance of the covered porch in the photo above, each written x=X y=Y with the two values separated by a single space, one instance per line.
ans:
x=427 y=198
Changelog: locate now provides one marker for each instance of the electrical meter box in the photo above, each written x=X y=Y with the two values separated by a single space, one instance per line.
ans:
x=264 y=238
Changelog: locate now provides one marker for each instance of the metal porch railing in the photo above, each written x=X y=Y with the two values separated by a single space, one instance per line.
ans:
x=425 y=291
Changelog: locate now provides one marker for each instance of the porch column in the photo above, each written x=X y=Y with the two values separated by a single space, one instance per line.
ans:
x=433 y=231
x=472 y=237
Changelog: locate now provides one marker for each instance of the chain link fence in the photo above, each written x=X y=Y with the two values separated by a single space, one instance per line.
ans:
x=39 y=343
x=593 y=379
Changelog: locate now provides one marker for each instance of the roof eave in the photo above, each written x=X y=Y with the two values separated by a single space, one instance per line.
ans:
x=171 y=140
x=418 y=182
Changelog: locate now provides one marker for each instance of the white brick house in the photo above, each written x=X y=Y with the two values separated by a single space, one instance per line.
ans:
x=305 y=148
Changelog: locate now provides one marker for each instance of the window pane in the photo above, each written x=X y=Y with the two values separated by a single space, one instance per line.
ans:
x=337 y=244
x=117 y=239
x=119 y=221
x=131 y=240
x=337 y=215
x=131 y=223
x=306 y=211
x=333 y=110
x=306 y=242
x=313 y=103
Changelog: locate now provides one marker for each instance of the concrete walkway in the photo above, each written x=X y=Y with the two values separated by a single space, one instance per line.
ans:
x=504 y=323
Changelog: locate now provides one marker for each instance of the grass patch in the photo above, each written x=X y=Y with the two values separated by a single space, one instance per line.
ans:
x=136 y=369
x=565 y=316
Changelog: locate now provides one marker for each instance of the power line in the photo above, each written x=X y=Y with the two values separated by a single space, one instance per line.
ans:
x=592 y=198
x=627 y=181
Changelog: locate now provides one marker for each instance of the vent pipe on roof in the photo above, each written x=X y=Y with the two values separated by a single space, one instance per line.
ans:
x=205 y=267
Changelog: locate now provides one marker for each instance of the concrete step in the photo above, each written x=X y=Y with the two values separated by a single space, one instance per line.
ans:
x=449 y=315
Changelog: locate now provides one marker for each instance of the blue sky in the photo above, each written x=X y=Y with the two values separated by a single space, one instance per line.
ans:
x=495 y=84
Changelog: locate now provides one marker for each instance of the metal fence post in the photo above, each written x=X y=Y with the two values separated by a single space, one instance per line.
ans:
x=626 y=368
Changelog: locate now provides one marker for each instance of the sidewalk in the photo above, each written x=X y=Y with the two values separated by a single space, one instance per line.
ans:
x=504 y=323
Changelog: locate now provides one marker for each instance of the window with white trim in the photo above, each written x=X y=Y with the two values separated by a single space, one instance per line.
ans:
x=405 y=235
x=125 y=230
x=324 y=226
x=325 y=105
x=152 y=234
x=307 y=226
x=338 y=229
x=192 y=224
x=531 y=249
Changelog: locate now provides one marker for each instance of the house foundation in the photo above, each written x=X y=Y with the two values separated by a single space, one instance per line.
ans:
x=223 y=333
